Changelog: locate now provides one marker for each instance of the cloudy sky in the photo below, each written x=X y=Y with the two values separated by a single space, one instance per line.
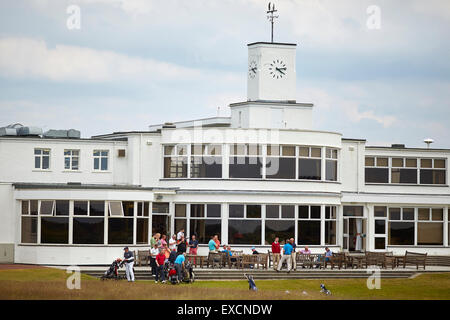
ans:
x=133 y=63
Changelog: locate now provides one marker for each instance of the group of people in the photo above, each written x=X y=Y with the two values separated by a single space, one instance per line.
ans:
x=289 y=254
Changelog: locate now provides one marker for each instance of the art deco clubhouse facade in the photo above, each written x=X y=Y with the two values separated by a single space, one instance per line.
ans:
x=261 y=172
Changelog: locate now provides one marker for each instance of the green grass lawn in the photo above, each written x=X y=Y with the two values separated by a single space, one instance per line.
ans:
x=48 y=283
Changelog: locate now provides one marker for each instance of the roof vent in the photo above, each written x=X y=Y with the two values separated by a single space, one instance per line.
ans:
x=168 y=125
x=71 y=133
x=398 y=146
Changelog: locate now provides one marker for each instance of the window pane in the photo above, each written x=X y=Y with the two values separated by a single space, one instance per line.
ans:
x=287 y=212
x=37 y=162
x=29 y=230
x=439 y=163
x=303 y=212
x=244 y=232
x=331 y=170
x=115 y=208
x=254 y=150
x=380 y=211
x=237 y=149
x=46 y=207
x=370 y=161
x=142 y=231
x=245 y=167
x=380 y=243
x=309 y=169
x=304 y=152
x=426 y=163
x=330 y=232
x=34 y=207
x=315 y=212
x=284 y=229
x=429 y=233
x=280 y=168
x=45 y=162
x=380 y=226
x=205 y=228
x=353 y=211
x=104 y=164
x=376 y=175
x=104 y=153
x=273 y=150
x=97 y=208
x=437 y=214
x=37 y=151
x=308 y=232
x=54 y=230
x=96 y=153
x=214 y=149
x=394 y=213
x=67 y=163
x=181 y=150
x=198 y=210
x=146 y=208
x=160 y=224
x=424 y=214
x=316 y=152
x=180 y=210
x=88 y=230
x=128 y=208
x=206 y=167
x=168 y=150
x=404 y=176
x=408 y=214
x=62 y=207
x=25 y=209
x=429 y=176
x=397 y=162
x=411 y=163
x=272 y=211
x=401 y=233
x=253 y=211
x=96 y=163
x=213 y=210
x=236 y=211
x=180 y=224
x=120 y=231
x=382 y=162
x=160 y=207
x=289 y=151
x=198 y=149
x=175 y=167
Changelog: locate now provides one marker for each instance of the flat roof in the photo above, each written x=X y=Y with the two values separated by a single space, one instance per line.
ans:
x=274 y=43
x=21 y=185
x=406 y=148
x=272 y=103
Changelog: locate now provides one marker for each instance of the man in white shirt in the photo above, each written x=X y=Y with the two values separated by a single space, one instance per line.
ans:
x=180 y=235
x=173 y=243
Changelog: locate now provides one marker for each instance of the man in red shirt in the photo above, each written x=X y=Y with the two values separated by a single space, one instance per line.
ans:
x=159 y=260
x=276 y=252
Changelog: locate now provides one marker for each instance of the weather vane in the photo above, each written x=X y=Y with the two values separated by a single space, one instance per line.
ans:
x=271 y=17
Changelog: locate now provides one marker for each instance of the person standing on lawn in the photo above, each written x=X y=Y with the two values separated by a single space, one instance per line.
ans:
x=212 y=245
x=179 y=265
x=294 y=254
x=193 y=245
x=129 y=263
x=160 y=260
x=287 y=251
x=153 y=253
x=276 y=252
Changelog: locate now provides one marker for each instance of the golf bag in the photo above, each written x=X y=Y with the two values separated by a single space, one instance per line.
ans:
x=188 y=273
x=323 y=289
x=113 y=270
x=251 y=282
x=171 y=273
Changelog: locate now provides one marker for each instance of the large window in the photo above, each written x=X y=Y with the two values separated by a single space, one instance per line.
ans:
x=401 y=226
x=120 y=222
x=310 y=163
x=405 y=170
x=280 y=162
x=330 y=225
x=29 y=221
x=244 y=224
x=71 y=159
x=309 y=225
x=245 y=161
x=206 y=161
x=42 y=159
x=160 y=218
x=279 y=223
x=101 y=160
x=142 y=223
x=430 y=226
x=175 y=161
x=88 y=222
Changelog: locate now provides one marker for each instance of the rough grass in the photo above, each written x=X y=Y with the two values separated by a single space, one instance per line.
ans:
x=48 y=283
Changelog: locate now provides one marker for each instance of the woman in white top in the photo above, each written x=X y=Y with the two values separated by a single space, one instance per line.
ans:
x=173 y=243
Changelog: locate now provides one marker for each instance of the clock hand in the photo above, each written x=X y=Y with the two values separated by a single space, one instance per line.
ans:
x=254 y=70
x=280 y=70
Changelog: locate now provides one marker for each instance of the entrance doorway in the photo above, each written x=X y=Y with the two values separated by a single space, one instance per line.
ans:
x=354 y=232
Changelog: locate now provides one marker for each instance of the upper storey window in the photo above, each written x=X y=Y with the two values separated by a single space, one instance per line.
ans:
x=245 y=161
x=331 y=164
x=175 y=161
x=310 y=163
x=280 y=162
x=101 y=160
x=400 y=170
x=71 y=159
x=206 y=161
x=42 y=159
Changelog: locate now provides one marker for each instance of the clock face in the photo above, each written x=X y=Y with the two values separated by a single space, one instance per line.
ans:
x=277 y=69
x=252 y=69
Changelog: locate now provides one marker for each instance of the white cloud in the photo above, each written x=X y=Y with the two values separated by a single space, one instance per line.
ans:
x=26 y=57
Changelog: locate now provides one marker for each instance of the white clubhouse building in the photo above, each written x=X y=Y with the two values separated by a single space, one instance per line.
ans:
x=260 y=173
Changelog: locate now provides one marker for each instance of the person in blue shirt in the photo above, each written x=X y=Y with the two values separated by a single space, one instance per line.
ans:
x=212 y=245
x=287 y=251
x=179 y=265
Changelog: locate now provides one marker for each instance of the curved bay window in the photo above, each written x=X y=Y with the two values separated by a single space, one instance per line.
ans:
x=280 y=162
x=279 y=223
x=310 y=163
x=309 y=225
x=245 y=161
x=244 y=224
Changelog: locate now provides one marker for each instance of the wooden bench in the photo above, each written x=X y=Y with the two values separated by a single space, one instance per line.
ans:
x=142 y=257
x=338 y=259
x=254 y=260
x=309 y=260
x=375 y=259
x=413 y=258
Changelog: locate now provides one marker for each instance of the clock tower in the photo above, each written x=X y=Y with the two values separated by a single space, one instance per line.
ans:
x=271 y=72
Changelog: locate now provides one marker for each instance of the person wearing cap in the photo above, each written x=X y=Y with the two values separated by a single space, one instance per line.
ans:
x=129 y=263
x=254 y=251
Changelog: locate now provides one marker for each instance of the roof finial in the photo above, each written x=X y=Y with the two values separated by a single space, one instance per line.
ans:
x=271 y=17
